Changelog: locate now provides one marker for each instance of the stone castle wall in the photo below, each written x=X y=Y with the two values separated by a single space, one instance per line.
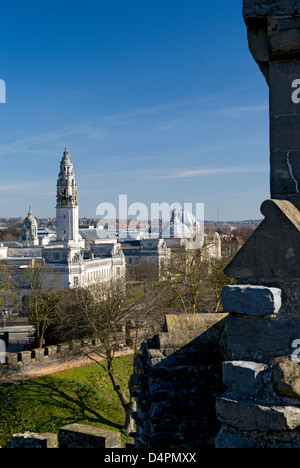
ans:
x=36 y=362
x=178 y=378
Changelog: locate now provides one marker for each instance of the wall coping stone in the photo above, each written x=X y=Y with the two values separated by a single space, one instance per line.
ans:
x=258 y=301
x=82 y=436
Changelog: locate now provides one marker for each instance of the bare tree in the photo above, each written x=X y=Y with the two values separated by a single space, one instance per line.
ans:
x=184 y=280
x=193 y=281
x=100 y=311
x=216 y=280
x=41 y=301
x=7 y=286
x=147 y=273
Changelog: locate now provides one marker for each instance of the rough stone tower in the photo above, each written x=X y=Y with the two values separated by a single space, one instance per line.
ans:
x=67 y=211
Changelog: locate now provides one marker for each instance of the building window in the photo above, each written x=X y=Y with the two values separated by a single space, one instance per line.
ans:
x=76 y=282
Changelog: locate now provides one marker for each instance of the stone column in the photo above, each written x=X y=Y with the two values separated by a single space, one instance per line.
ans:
x=274 y=40
x=261 y=405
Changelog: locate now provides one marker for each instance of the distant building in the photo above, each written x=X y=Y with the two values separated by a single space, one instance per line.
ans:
x=153 y=251
x=81 y=256
x=231 y=245
x=74 y=259
x=46 y=235
x=177 y=233
x=3 y=252
x=30 y=231
x=183 y=231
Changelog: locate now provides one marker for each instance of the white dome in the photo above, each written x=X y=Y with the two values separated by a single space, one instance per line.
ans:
x=176 y=229
x=186 y=217
x=30 y=220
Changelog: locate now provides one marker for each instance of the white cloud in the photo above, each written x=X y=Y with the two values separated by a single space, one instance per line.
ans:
x=31 y=187
x=239 y=110
x=181 y=174
x=25 y=145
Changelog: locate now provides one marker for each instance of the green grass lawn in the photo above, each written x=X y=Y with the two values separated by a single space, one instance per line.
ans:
x=83 y=395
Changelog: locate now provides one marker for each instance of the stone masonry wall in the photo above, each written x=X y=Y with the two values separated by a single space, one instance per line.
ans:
x=179 y=377
x=260 y=407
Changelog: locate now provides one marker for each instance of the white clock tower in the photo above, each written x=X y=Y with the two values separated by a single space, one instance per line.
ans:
x=67 y=211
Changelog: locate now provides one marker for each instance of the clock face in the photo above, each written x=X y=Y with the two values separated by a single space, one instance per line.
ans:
x=64 y=192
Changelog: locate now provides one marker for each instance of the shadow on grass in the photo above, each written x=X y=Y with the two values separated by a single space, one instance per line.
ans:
x=75 y=402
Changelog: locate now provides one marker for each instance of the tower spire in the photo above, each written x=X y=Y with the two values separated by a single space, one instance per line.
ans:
x=67 y=202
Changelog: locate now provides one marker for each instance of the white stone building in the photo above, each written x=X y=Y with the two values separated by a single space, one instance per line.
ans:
x=69 y=258
x=185 y=231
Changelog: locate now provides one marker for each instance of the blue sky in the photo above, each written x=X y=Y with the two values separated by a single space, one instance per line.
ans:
x=156 y=99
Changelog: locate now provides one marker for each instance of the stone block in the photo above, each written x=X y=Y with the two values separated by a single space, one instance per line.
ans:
x=38 y=355
x=257 y=9
x=183 y=329
x=282 y=184
x=12 y=360
x=63 y=349
x=168 y=352
x=30 y=440
x=265 y=255
x=250 y=339
x=130 y=444
x=25 y=357
x=284 y=38
x=51 y=351
x=242 y=376
x=232 y=440
x=284 y=133
x=75 y=348
x=251 y=300
x=154 y=361
x=253 y=417
x=259 y=44
x=154 y=354
x=81 y=436
x=286 y=378
x=282 y=76
x=76 y=345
